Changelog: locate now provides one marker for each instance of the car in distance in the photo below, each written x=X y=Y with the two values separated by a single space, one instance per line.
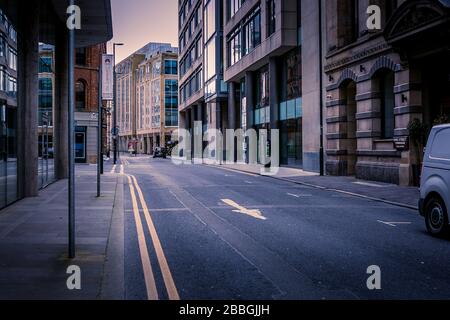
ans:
x=160 y=153
x=435 y=181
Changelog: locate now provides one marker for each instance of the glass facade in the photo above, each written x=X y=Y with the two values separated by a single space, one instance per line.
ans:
x=210 y=19
x=45 y=116
x=8 y=113
x=291 y=110
x=244 y=38
x=233 y=7
x=192 y=85
x=210 y=60
x=171 y=103
x=170 y=67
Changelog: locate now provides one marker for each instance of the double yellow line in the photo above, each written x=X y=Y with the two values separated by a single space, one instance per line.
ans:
x=152 y=292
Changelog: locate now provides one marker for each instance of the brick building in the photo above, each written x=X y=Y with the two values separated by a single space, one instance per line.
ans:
x=87 y=65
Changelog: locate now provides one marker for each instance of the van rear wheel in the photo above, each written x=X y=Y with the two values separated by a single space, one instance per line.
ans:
x=436 y=217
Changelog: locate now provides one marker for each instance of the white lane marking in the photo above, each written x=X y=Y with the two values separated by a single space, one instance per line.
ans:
x=255 y=213
x=393 y=224
x=299 y=195
x=248 y=182
x=113 y=170
x=122 y=169
x=368 y=184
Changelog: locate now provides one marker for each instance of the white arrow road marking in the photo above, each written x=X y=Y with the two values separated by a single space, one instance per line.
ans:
x=393 y=224
x=255 y=213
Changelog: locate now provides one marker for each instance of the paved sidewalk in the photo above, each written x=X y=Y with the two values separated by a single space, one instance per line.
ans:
x=398 y=195
x=33 y=241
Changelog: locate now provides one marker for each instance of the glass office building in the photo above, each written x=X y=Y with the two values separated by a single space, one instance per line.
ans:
x=8 y=112
x=46 y=166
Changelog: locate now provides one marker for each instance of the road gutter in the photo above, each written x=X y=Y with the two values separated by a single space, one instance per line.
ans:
x=113 y=280
x=397 y=204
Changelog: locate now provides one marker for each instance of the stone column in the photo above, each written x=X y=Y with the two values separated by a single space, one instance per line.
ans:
x=215 y=140
x=274 y=93
x=188 y=151
x=231 y=105
x=61 y=103
x=198 y=129
x=249 y=95
x=232 y=156
x=28 y=68
x=250 y=104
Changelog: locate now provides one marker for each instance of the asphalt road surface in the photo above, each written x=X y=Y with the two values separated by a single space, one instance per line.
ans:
x=200 y=232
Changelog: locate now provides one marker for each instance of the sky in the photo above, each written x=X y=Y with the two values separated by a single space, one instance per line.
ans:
x=138 y=22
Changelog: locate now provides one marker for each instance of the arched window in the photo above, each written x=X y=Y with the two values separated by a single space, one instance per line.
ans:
x=80 y=95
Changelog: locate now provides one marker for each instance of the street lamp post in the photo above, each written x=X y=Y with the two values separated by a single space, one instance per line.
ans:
x=71 y=150
x=115 y=131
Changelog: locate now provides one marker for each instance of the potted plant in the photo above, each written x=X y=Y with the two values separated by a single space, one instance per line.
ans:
x=418 y=132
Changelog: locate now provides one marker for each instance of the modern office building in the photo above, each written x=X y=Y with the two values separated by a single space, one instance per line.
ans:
x=128 y=106
x=203 y=92
x=384 y=88
x=87 y=66
x=45 y=114
x=156 y=100
x=25 y=89
x=258 y=74
x=263 y=70
x=9 y=109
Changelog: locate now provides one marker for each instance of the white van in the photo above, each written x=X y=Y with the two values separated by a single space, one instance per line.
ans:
x=435 y=181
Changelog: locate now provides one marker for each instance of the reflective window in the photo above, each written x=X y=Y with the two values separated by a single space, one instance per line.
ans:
x=45 y=64
x=271 y=17
x=210 y=60
x=233 y=7
x=3 y=46
x=210 y=19
x=171 y=103
x=263 y=88
x=244 y=38
x=171 y=67
x=80 y=95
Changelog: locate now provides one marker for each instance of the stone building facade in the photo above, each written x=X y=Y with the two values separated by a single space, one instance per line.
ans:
x=380 y=83
x=140 y=113
x=156 y=101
